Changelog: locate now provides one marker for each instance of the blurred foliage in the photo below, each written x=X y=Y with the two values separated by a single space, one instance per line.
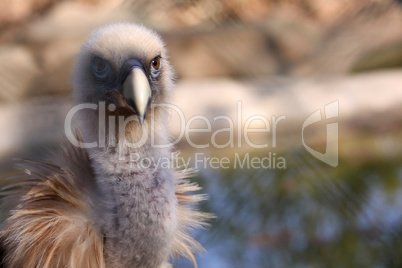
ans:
x=309 y=215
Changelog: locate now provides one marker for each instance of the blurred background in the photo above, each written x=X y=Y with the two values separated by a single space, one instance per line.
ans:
x=290 y=58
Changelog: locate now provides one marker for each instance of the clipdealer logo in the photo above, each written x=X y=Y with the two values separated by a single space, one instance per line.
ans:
x=330 y=156
x=238 y=125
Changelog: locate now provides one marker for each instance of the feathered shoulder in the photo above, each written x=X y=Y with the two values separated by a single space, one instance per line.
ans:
x=188 y=217
x=52 y=209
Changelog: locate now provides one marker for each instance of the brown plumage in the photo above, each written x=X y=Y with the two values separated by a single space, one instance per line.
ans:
x=50 y=223
x=67 y=213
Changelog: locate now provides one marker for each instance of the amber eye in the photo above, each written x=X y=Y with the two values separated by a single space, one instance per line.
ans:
x=156 y=63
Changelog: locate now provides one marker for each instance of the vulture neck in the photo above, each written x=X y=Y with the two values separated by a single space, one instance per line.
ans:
x=141 y=197
x=133 y=152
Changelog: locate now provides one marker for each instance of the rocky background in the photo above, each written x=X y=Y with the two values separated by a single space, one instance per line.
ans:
x=237 y=49
x=237 y=39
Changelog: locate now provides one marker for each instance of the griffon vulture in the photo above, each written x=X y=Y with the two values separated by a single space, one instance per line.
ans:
x=94 y=205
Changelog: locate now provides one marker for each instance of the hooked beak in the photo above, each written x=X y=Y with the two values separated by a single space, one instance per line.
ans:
x=137 y=91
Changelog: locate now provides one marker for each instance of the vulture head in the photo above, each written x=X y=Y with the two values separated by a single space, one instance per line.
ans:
x=125 y=67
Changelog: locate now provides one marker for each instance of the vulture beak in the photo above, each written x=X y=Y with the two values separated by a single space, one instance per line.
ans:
x=135 y=87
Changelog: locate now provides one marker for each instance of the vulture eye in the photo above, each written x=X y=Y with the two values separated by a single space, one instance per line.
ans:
x=100 y=68
x=155 y=66
x=156 y=63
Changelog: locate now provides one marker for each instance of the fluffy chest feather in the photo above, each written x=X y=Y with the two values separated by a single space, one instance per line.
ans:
x=139 y=230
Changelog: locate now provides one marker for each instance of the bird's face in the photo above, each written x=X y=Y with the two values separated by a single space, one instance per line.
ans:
x=125 y=66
